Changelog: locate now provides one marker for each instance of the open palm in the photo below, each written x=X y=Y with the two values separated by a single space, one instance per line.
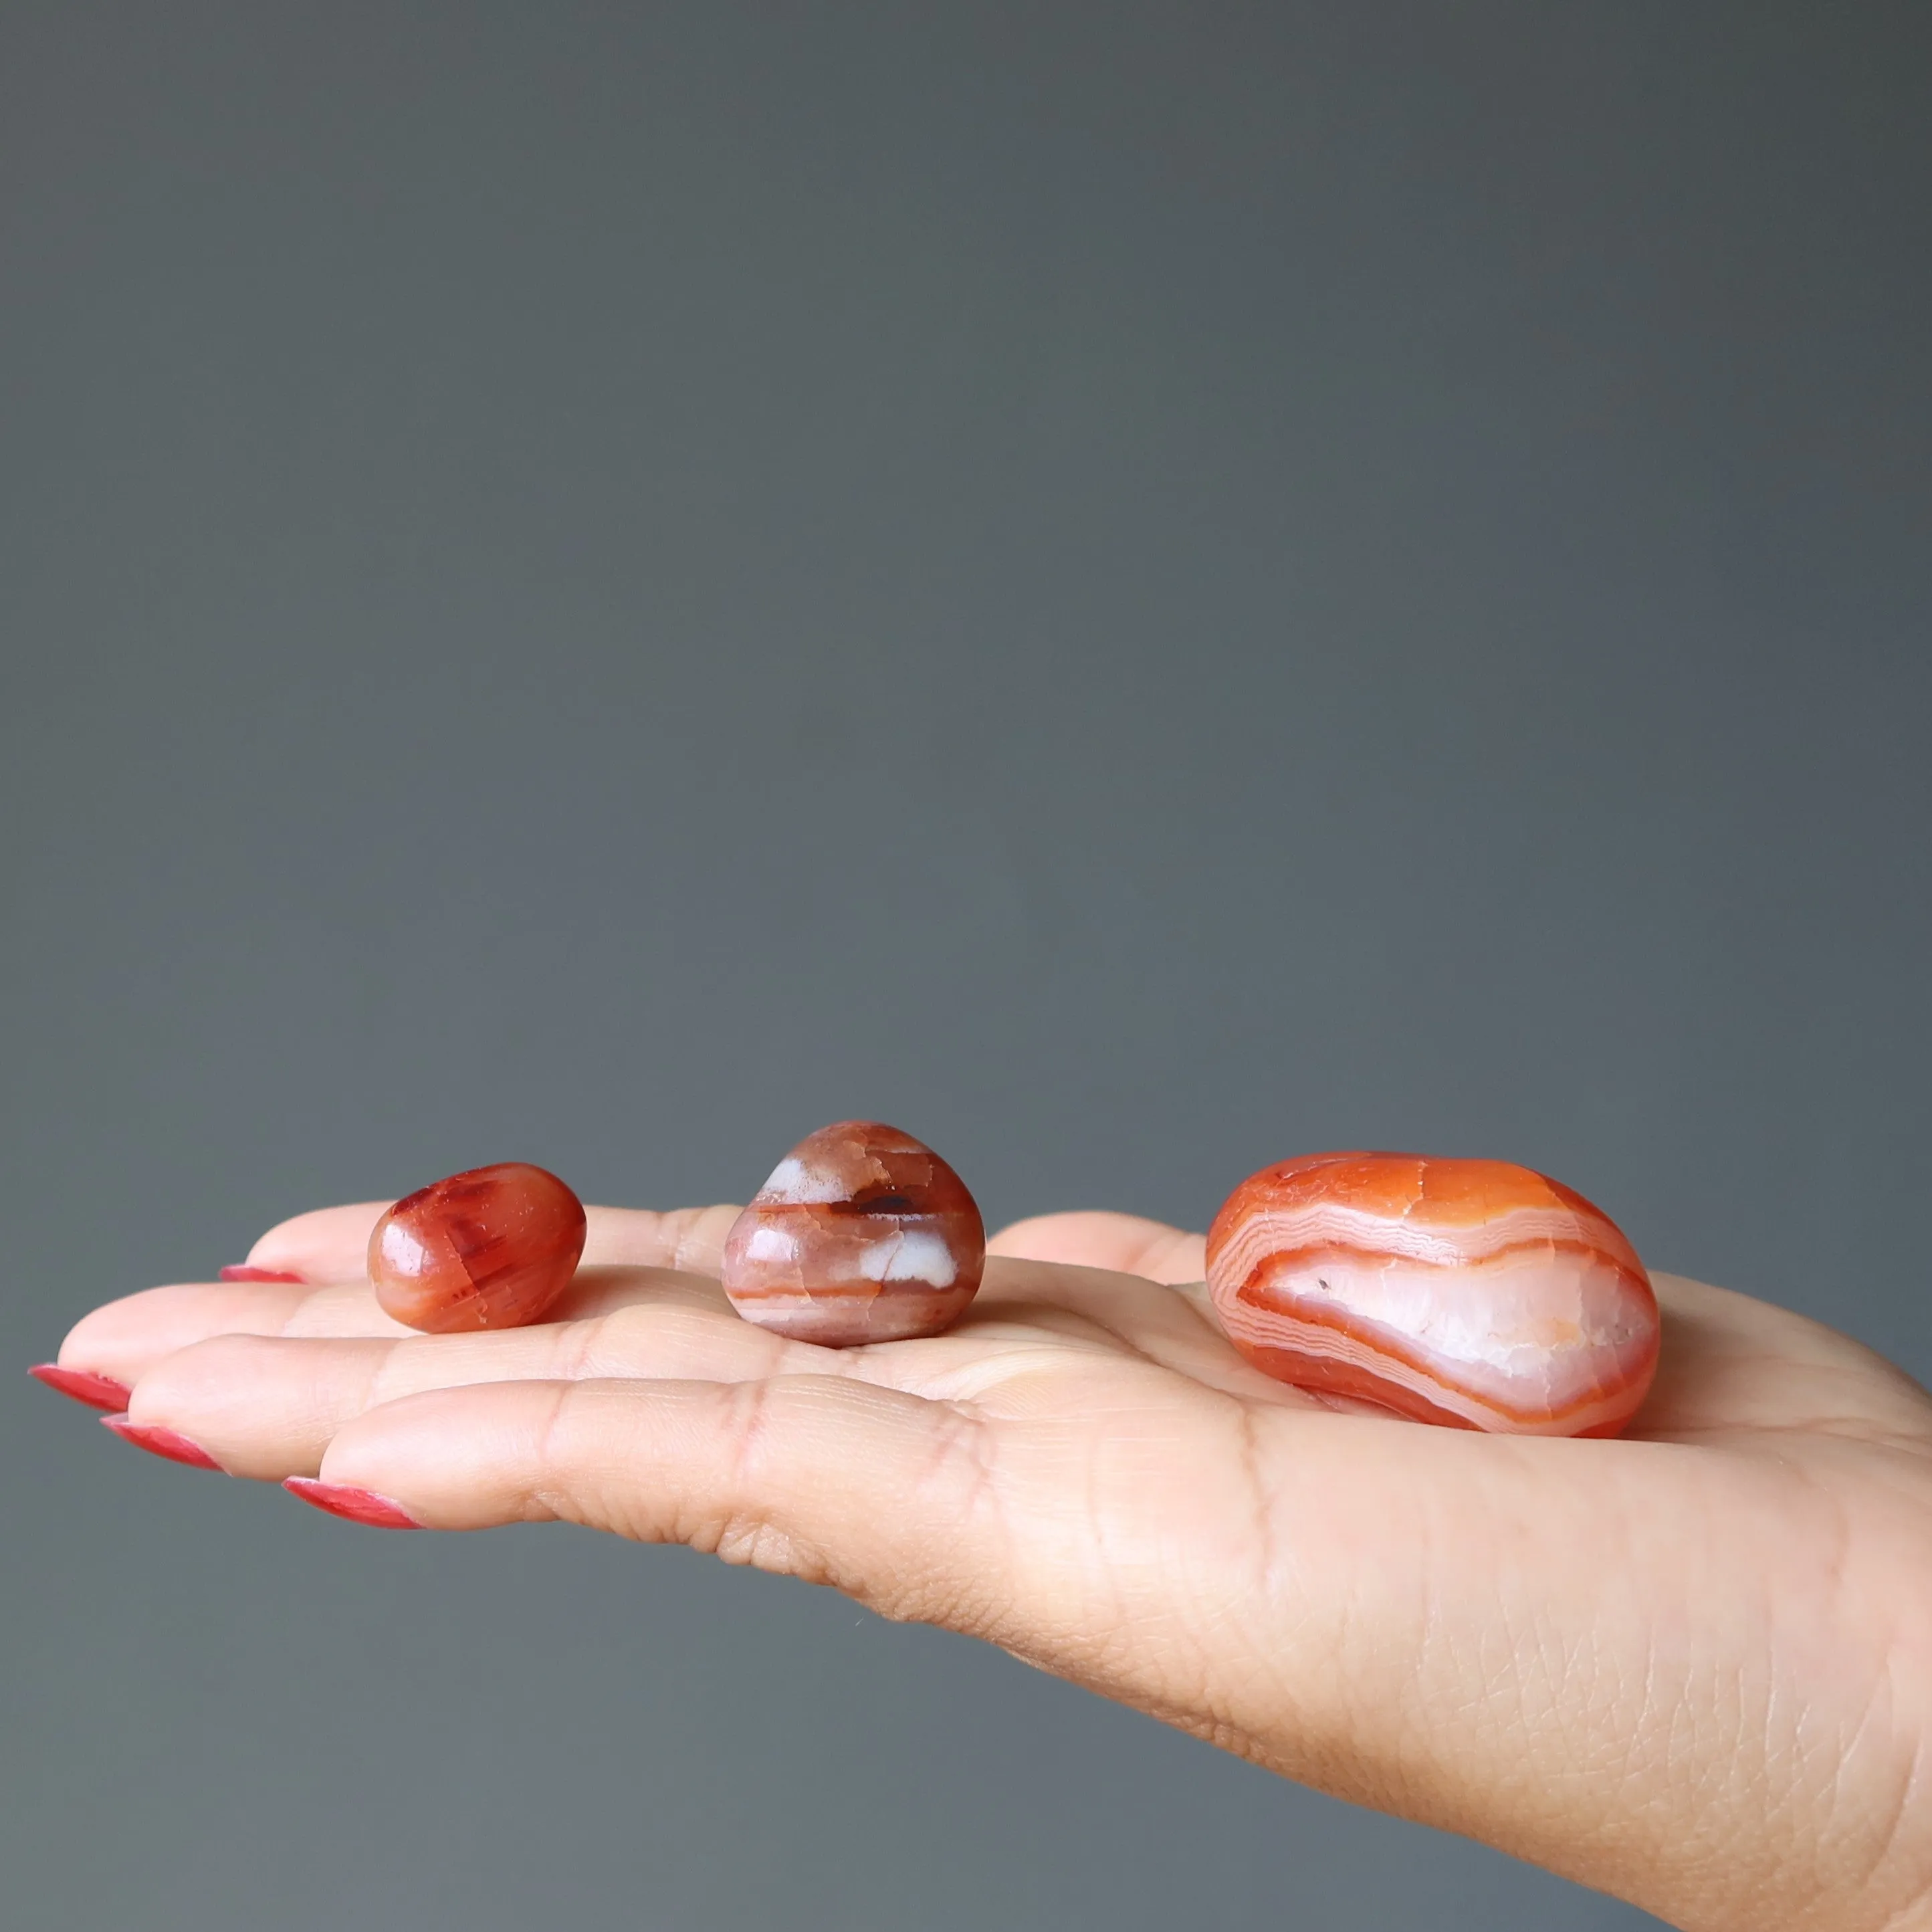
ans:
x=1692 y=1667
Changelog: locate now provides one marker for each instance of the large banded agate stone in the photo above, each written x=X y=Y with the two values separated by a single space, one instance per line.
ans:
x=491 y=1248
x=862 y=1233
x=1470 y=1293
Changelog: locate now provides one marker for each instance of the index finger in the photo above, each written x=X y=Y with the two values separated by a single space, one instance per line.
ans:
x=332 y=1243
x=1120 y=1243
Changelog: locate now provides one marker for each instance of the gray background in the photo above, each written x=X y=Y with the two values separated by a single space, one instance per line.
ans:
x=1136 y=589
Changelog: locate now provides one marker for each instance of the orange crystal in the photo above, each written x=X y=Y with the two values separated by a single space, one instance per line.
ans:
x=491 y=1248
x=1471 y=1293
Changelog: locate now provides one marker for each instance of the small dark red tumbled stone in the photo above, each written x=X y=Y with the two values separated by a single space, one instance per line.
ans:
x=492 y=1248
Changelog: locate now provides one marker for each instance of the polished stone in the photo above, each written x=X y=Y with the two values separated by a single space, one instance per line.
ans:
x=1471 y=1293
x=862 y=1234
x=492 y=1248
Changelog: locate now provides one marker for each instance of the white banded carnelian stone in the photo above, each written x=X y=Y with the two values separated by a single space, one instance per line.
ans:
x=1471 y=1293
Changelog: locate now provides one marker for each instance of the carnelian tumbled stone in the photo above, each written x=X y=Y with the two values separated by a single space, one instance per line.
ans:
x=492 y=1248
x=862 y=1234
x=1471 y=1293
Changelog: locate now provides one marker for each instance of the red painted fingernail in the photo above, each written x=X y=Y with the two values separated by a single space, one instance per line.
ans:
x=96 y=1391
x=159 y=1441
x=242 y=1272
x=357 y=1505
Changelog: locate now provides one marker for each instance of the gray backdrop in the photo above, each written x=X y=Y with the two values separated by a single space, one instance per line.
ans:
x=1136 y=589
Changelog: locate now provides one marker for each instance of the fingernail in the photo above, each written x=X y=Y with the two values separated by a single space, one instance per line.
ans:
x=159 y=1441
x=343 y=1499
x=242 y=1272
x=96 y=1391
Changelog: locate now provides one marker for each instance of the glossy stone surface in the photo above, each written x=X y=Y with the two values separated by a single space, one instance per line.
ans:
x=492 y=1248
x=1470 y=1293
x=862 y=1234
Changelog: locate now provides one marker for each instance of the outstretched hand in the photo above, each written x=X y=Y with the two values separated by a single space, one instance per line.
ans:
x=1692 y=1667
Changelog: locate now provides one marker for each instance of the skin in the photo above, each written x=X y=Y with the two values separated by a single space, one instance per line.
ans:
x=1691 y=1667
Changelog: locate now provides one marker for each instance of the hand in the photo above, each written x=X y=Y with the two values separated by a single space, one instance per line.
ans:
x=1692 y=1667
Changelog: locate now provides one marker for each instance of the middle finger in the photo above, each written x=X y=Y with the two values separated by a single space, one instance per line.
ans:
x=268 y=1405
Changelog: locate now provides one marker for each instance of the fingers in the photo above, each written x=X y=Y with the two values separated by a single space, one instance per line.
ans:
x=883 y=1495
x=124 y=1339
x=1730 y=1362
x=328 y=1244
x=332 y=1243
x=266 y=1404
x=128 y=1338
x=262 y=1377
x=691 y=1240
x=267 y=1407
x=1124 y=1244
x=1175 y=1328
